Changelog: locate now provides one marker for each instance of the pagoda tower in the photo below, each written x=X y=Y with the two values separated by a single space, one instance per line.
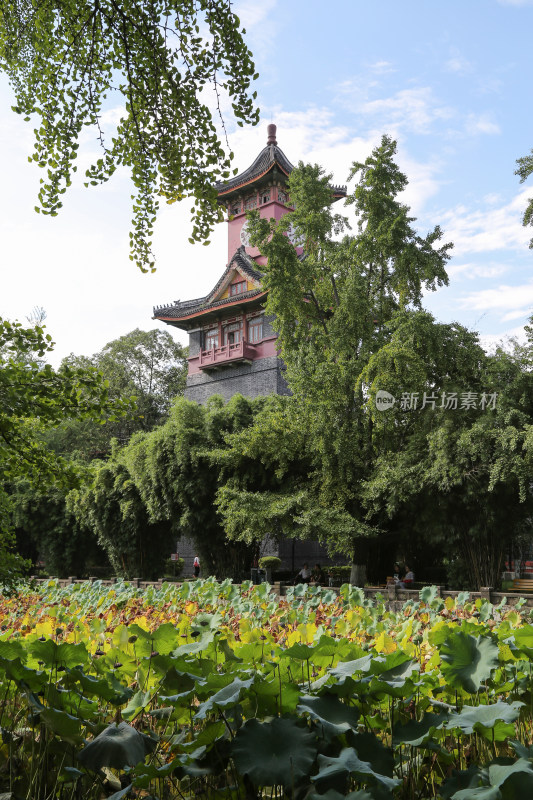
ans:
x=232 y=345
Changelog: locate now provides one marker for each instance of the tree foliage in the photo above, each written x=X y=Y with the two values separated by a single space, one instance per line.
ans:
x=161 y=487
x=33 y=397
x=72 y=63
x=334 y=306
x=149 y=367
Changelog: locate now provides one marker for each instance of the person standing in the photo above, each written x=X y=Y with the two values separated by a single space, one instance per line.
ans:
x=196 y=566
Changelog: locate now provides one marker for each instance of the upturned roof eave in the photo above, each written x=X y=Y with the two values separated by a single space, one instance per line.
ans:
x=211 y=310
x=225 y=193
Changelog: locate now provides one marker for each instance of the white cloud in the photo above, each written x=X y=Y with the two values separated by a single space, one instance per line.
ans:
x=472 y=270
x=481 y=123
x=483 y=230
x=457 y=63
x=501 y=297
x=521 y=313
x=382 y=67
x=490 y=341
x=410 y=109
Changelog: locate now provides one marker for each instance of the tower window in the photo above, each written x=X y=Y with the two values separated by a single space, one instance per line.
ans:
x=251 y=202
x=211 y=339
x=255 y=330
x=282 y=197
x=235 y=209
x=233 y=333
x=265 y=197
x=237 y=288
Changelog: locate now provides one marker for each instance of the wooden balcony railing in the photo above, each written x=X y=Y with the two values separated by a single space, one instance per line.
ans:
x=227 y=354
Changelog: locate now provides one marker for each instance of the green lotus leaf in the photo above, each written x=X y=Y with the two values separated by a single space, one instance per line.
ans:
x=331 y=794
x=66 y=653
x=300 y=652
x=228 y=696
x=228 y=652
x=521 y=750
x=121 y=793
x=370 y=748
x=24 y=676
x=468 y=661
x=349 y=763
x=279 y=752
x=480 y=793
x=484 y=718
x=165 y=638
x=268 y=694
x=108 y=688
x=428 y=593
x=520 y=774
x=12 y=650
x=68 y=775
x=139 y=701
x=416 y=733
x=118 y=746
x=335 y=716
x=523 y=637
x=207 y=622
x=194 y=647
x=345 y=669
x=64 y=725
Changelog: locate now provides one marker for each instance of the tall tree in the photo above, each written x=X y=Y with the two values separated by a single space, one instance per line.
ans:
x=148 y=366
x=69 y=61
x=333 y=308
x=33 y=397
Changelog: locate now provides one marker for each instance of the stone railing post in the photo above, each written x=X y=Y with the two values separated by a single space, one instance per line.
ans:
x=485 y=592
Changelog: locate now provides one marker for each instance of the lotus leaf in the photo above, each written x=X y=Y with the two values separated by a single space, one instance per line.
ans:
x=335 y=716
x=224 y=698
x=279 y=752
x=118 y=746
x=345 y=669
x=331 y=794
x=468 y=661
x=483 y=718
x=66 y=654
x=122 y=793
x=416 y=733
x=138 y=702
x=349 y=763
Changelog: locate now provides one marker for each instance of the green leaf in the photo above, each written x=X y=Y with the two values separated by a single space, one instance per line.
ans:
x=416 y=733
x=275 y=752
x=139 y=701
x=485 y=719
x=64 y=725
x=225 y=698
x=335 y=716
x=346 y=764
x=468 y=661
x=118 y=746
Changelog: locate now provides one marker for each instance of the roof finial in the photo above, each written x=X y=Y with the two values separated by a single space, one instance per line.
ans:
x=271 y=130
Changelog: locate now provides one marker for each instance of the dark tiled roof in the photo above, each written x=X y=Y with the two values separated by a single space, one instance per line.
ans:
x=269 y=155
x=187 y=308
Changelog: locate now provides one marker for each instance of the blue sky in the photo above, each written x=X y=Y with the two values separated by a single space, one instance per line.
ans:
x=450 y=80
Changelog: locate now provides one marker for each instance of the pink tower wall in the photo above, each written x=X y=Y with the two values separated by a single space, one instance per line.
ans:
x=273 y=209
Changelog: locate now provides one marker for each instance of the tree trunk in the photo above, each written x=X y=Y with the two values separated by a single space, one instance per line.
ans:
x=359 y=562
x=358 y=575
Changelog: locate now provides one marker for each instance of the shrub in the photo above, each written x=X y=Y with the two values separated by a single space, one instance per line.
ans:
x=269 y=562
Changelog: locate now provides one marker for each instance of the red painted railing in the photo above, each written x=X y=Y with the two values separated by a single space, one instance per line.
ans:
x=241 y=351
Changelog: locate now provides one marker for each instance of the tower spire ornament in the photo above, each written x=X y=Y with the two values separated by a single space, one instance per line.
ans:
x=271 y=131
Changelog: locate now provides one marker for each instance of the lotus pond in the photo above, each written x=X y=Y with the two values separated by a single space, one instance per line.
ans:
x=223 y=691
